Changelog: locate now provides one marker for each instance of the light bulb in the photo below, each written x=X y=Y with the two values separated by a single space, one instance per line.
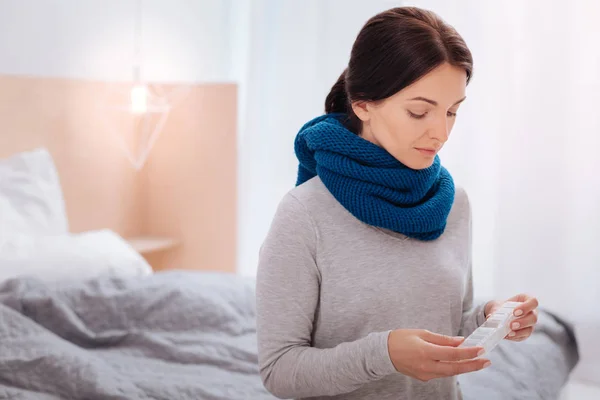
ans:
x=139 y=99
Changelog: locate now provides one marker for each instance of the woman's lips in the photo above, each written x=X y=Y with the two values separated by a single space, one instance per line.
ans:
x=427 y=152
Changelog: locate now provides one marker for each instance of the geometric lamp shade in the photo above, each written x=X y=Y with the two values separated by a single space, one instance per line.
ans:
x=135 y=115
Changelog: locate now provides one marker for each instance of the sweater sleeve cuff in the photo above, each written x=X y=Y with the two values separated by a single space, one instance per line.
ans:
x=480 y=314
x=472 y=319
x=379 y=361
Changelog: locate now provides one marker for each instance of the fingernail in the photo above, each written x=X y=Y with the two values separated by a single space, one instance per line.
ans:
x=481 y=352
x=516 y=325
x=518 y=312
x=487 y=364
x=511 y=334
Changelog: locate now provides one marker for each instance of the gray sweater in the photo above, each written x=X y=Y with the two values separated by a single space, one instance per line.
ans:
x=330 y=288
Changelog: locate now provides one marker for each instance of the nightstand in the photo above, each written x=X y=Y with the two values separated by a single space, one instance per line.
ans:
x=152 y=244
x=156 y=250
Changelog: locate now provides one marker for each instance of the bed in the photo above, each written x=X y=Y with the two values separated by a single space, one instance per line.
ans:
x=171 y=335
x=191 y=335
x=83 y=316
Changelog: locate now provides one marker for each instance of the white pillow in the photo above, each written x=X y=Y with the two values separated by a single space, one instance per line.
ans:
x=588 y=368
x=67 y=257
x=31 y=199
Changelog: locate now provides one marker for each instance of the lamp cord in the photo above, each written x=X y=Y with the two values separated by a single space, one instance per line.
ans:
x=137 y=42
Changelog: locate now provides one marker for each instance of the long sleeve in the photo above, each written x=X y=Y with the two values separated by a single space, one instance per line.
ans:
x=288 y=286
x=473 y=314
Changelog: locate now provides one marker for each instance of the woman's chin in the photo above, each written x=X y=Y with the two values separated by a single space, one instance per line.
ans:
x=418 y=164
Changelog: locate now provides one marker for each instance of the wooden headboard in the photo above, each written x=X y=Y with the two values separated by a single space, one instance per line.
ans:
x=186 y=190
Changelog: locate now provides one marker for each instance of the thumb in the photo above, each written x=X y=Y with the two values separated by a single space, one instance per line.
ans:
x=442 y=340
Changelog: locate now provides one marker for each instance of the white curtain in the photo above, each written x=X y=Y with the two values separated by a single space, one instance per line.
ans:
x=526 y=148
x=525 y=145
x=286 y=56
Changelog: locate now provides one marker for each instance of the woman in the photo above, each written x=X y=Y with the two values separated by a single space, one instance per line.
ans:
x=364 y=280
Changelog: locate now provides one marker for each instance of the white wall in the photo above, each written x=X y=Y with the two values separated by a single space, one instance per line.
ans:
x=296 y=53
x=287 y=54
x=183 y=40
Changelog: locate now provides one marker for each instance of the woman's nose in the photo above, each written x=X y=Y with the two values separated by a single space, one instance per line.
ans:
x=441 y=130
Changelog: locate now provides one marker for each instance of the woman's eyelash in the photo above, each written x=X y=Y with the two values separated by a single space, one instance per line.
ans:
x=417 y=116
x=421 y=116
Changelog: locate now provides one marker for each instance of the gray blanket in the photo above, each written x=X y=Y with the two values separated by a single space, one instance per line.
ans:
x=168 y=336
x=190 y=335
x=535 y=369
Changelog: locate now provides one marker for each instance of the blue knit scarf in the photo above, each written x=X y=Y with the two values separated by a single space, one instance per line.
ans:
x=370 y=183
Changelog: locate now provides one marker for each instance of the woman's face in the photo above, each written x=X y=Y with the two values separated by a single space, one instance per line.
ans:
x=413 y=124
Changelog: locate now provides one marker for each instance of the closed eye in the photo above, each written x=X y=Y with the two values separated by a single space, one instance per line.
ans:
x=417 y=116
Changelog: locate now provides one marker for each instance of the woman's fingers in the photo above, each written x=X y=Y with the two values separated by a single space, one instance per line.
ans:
x=518 y=339
x=441 y=340
x=444 y=348
x=529 y=304
x=443 y=368
x=520 y=334
x=524 y=322
x=448 y=353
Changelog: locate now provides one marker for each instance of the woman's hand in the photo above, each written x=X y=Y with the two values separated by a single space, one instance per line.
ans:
x=425 y=355
x=526 y=313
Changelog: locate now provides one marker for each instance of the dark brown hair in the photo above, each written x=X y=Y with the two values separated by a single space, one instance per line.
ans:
x=393 y=50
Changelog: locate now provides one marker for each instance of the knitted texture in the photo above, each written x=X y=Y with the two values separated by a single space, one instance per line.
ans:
x=370 y=183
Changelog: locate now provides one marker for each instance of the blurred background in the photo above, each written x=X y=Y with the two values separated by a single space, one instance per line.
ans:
x=240 y=77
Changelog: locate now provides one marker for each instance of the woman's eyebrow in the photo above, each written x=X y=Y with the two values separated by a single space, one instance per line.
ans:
x=433 y=102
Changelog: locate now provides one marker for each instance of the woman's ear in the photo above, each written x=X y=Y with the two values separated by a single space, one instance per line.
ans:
x=361 y=110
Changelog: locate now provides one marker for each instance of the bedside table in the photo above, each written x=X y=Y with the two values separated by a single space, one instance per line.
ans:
x=155 y=249
x=151 y=244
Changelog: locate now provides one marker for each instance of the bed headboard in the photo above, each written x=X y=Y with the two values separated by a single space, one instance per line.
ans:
x=186 y=190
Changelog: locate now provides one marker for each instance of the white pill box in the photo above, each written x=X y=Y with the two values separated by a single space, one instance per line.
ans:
x=494 y=329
